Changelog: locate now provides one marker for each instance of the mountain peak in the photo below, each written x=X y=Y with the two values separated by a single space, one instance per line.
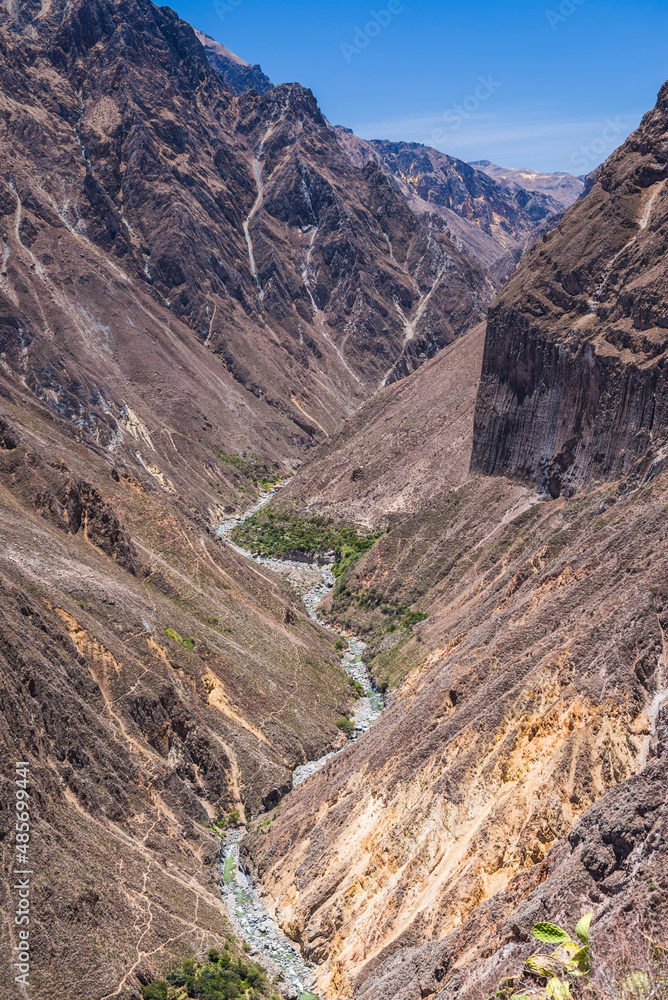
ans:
x=239 y=75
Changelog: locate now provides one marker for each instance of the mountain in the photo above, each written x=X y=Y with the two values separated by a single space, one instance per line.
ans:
x=239 y=76
x=163 y=350
x=481 y=215
x=562 y=187
x=238 y=217
x=204 y=288
x=196 y=287
x=518 y=773
x=573 y=384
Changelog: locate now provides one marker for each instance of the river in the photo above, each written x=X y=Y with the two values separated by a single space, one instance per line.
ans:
x=248 y=913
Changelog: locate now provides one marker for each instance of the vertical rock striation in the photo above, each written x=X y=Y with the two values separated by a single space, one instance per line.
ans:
x=573 y=388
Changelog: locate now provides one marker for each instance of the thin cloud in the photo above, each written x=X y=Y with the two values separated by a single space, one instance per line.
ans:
x=546 y=145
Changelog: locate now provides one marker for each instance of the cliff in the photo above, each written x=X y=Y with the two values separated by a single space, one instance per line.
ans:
x=573 y=387
x=517 y=774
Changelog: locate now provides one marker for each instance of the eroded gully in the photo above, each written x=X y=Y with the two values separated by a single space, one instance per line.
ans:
x=249 y=915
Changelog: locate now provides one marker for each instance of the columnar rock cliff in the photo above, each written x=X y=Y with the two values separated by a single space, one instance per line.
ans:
x=573 y=386
x=518 y=772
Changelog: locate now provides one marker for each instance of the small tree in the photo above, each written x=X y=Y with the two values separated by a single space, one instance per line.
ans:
x=156 y=991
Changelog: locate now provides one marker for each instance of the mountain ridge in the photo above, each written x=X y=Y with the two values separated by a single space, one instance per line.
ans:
x=517 y=774
x=560 y=185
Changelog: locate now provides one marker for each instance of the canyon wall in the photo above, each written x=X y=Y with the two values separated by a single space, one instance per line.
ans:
x=517 y=774
x=573 y=387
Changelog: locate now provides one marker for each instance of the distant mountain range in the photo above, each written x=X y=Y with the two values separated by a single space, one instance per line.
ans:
x=206 y=287
x=482 y=216
x=564 y=188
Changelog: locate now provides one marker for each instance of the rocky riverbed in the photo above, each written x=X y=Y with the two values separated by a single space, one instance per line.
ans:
x=252 y=922
x=253 y=925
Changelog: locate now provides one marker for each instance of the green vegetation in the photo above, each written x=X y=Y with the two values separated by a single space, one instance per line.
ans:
x=358 y=689
x=229 y=868
x=571 y=968
x=221 y=977
x=371 y=600
x=554 y=972
x=188 y=644
x=340 y=645
x=252 y=467
x=282 y=534
x=345 y=725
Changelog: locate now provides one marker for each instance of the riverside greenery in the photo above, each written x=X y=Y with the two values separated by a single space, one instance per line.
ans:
x=282 y=534
x=223 y=976
x=252 y=467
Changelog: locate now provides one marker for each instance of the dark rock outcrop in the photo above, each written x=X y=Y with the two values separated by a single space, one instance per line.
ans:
x=239 y=76
x=574 y=386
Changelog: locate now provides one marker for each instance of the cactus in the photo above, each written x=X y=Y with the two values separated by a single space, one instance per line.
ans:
x=550 y=933
x=571 y=959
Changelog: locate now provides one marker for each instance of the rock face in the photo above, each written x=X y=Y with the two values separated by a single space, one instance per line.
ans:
x=239 y=76
x=562 y=187
x=239 y=217
x=573 y=387
x=483 y=217
x=518 y=771
x=149 y=677
x=613 y=862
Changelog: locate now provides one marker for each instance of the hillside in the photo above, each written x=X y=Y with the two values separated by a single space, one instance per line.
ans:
x=518 y=772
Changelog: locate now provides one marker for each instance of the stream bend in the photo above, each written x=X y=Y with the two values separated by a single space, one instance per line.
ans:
x=248 y=913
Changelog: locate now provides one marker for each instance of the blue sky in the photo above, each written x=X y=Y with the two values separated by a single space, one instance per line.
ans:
x=552 y=85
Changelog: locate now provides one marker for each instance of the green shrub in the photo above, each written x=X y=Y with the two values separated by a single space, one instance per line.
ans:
x=358 y=690
x=413 y=617
x=252 y=467
x=188 y=644
x=177 y=977
x=156 y=991
x=221 y=978
x=283 y=534
x=345 y=725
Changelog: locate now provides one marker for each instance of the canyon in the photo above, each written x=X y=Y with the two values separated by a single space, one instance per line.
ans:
x=207 y=290
x=517 y=773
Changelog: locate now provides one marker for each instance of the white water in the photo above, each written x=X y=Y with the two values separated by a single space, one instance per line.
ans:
x=247 y=912
x=253 y=924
